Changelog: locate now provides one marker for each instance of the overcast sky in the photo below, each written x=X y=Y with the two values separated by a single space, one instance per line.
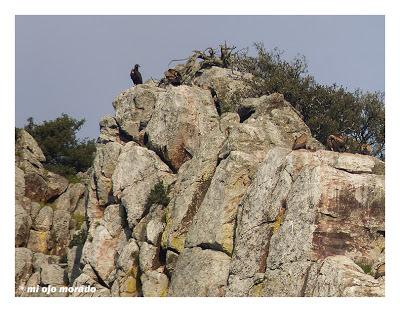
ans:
x=78 y=64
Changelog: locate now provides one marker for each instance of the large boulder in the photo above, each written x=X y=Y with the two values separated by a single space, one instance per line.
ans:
x=303 y=207
x=134 y=108
x=100 y=252
x=127 y=282
x=44 y=187
x=60 y=231
x=228 y=86
x=36 y=187
x=109 y=130
x=192 y=183
x=103 y=168
x=39 y=241
x=154 y=284
x=200 y=273
x=214 y=223
x=52 y=274
x=19 y=183
x=149 y=257
x=40 y=260
x=23 y=224
x=178 y=126
x=56 y=185
x=29 y=156
x=68 y=200
x=23 y=268
x=137 y=171
x=39 y=184
x=265 y=122
x=339 y=276
x=89 y=278
x=44 y=219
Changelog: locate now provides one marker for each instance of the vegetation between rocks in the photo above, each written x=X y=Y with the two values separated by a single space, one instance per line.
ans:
x=158 y=195
x=325 y=109
x=79 y=238
x=65 y=153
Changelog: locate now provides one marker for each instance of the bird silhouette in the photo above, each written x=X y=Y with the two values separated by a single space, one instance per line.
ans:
x=136 y=75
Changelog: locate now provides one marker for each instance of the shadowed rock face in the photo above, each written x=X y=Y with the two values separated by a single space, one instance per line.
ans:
x=245 y=215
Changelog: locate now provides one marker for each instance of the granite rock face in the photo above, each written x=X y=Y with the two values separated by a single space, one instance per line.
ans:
x=195 y=191
x=301 y=208
x=49 y=212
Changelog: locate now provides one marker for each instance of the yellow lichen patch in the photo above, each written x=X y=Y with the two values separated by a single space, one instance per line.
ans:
x=227 y=240
x=130 y=284
x=177 y=243
x=279 y=220
x=38 y=241
x=256 y=290
x=164 y=292
x=42 y=241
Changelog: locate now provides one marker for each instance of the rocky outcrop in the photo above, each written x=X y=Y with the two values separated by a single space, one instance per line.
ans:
x=49 y=211
x=195 y=190
x=40 y=185
x=137 y=171
x=303 y=207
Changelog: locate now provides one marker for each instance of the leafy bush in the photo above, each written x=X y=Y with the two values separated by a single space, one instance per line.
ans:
x=65 y=154
x=158 y=195
x=325 y=109
x=74 y=179
x=367 y=268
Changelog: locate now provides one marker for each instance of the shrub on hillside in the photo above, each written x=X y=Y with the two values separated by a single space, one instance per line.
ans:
x=65 y=153
x=158 y=195
x=325 y=109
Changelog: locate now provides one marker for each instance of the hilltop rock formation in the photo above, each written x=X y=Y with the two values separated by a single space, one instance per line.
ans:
x=244 y=214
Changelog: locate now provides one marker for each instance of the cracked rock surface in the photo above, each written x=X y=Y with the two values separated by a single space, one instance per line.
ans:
x=183 y=200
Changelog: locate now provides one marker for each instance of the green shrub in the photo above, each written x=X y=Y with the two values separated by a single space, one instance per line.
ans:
x=325 y=109
x=158 y=195
x=74 y=178
x=65 y=153
x=367 y=268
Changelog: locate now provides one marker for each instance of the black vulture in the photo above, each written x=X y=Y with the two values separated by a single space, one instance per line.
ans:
x=136 y=76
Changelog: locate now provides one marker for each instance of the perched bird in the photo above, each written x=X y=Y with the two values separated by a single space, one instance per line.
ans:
x=300 y=142
x=336 y=143
x=136 y=76
x=173 y=77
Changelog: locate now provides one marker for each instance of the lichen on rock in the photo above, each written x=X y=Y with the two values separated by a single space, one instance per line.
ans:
x=195 y=190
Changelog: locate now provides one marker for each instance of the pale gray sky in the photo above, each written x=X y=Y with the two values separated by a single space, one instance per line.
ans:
x=78 y=64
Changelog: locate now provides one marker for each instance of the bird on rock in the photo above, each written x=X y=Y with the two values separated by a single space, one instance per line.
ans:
x=136 y=76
